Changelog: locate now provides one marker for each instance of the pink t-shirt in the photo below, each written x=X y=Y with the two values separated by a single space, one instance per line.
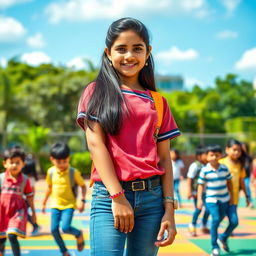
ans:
x=133 y=150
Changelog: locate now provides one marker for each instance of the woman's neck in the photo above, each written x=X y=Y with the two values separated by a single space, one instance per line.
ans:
x=132 y=84
x=234 y=161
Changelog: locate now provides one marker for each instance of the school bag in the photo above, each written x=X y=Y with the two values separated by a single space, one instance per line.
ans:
x=71 y=179
x=23 y=183
x=195 y=180
x=159 y=105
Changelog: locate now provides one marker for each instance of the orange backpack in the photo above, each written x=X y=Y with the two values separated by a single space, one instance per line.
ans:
x=159 y=105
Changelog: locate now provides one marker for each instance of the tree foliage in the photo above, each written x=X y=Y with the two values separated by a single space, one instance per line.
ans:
x=48 y=95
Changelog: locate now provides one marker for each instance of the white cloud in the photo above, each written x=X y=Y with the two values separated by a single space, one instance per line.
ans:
x=230 y=5
x=227 y=34
x=190 y=82
x=7 y=3
x=77 y=10
x=10 y=29
x=36 y=41
x=247 y=61
x=35 y=58
x=175 y=54
x=3 y=62
x=254 y=83
x=77 y=63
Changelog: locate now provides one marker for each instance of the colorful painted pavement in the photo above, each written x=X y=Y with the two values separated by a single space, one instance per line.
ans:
x=242 y=243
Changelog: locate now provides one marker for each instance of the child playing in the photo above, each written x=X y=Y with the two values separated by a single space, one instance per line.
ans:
x=30 y=170
x=13 y=209
x=177 y=166
x=132 y=196
x=216 y=179
x=63 y=198
x=234 y=160
x=192 y=178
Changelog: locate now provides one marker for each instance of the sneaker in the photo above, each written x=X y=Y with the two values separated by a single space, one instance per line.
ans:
x=80 y=242
x=192 y=229
x=36 y=231
x=223 y=244
x=66 y=254
x=205 y=230
x=215 y=252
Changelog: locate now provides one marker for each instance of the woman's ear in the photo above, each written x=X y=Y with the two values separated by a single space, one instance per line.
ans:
x=149 y=51
x=107 y=52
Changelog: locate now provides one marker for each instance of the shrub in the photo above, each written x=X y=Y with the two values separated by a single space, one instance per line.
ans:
x=82 y=162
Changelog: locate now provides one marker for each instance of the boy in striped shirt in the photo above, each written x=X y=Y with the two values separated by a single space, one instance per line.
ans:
x=216 y=179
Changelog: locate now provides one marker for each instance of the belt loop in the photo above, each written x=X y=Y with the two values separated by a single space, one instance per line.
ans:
x=149 y=185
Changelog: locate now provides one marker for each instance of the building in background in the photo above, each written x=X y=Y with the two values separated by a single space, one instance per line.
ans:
x=169 y=82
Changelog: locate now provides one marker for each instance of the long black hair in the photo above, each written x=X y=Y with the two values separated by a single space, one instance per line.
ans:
x=107 y=99
x=232 y=142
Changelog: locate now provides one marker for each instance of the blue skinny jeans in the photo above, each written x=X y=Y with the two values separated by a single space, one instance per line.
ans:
x=176 y=185
x=217 y=211
x=105 y=240
x=233 y=222
x=65 y=217
x=198 y=211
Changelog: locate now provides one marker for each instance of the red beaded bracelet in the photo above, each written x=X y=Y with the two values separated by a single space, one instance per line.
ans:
x=117 y=194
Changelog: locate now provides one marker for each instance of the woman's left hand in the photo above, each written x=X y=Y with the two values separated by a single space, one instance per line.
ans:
x=167 y=225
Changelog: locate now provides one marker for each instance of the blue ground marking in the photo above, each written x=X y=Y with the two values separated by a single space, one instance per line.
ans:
x=44 y=252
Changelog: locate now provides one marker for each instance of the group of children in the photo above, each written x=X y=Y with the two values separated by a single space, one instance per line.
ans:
x=62 y=181
x=214 y=182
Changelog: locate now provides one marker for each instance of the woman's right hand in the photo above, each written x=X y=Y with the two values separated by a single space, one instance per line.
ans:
x=123 y=214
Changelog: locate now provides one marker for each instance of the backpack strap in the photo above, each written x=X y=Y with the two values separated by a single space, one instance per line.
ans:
x=1 y=180
x=91 y=180
x=23 y=183
x=72 y=180
x=159 y=105
x=51 y=173
x=72 y=176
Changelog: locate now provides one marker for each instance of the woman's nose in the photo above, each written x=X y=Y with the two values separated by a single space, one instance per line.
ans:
x=128 y=55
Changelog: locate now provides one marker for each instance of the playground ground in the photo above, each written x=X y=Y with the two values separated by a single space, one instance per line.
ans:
x=242 y=243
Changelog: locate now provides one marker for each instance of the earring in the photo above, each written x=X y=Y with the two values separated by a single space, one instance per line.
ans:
x=146 y=64
x=110 y=63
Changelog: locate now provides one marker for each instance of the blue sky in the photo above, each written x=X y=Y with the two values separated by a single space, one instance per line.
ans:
x=197 y=39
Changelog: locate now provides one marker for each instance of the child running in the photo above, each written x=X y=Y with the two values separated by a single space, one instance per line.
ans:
x=13 y=209
x=216 y=179
x=192 y=178
x=235 y=161
x=30 y=170
x=63 y=196
x=177 y=167
x=132 y=197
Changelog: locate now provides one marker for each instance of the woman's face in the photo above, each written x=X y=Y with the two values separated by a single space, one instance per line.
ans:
x=234 y=152
x=128 y=55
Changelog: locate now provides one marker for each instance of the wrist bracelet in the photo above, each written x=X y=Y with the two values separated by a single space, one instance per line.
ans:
x=169 y=197
x=171 y=200
x=117 y=194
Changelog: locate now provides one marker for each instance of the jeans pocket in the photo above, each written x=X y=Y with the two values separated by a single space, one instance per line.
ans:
x=157 y=191
x=100 y=192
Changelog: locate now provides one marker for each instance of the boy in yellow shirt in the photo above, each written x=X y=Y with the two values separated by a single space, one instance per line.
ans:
x=60 y=178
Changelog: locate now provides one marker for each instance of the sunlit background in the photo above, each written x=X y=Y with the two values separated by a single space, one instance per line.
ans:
x=194 y=40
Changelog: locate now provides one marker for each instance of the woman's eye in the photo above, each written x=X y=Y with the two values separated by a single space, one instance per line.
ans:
x=138 y=49
x=121 y=49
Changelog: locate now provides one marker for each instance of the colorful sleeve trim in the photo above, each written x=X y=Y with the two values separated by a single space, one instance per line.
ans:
x=82 y=115
x=29 y=194
x=168 y=135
